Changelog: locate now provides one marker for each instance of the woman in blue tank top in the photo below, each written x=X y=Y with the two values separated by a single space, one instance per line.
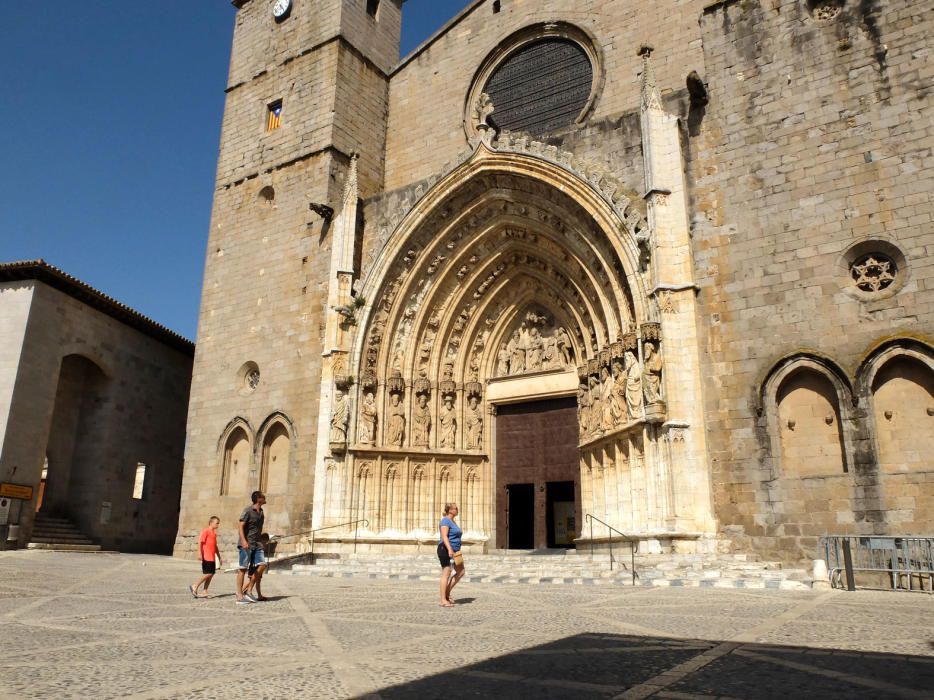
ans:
x=448 y=546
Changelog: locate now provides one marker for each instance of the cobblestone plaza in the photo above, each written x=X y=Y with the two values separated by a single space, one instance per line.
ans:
x=113 y=625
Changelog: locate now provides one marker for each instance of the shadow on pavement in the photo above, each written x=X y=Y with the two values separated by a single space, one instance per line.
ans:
x=604 y=665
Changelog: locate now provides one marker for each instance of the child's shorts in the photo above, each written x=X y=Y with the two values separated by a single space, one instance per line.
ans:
x=208 y=567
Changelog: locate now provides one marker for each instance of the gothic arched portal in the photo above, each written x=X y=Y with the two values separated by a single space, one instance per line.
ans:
x=511 y=279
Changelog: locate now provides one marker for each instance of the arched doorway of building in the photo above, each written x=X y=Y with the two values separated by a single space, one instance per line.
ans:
x=513 y=280
x=75 y=440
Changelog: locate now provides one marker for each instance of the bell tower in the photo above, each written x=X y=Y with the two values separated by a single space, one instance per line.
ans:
x=304 y=123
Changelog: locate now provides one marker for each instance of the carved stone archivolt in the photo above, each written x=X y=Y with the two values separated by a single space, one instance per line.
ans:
x=496 y=282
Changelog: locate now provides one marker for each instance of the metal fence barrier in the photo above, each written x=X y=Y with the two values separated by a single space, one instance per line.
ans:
x=896 y=563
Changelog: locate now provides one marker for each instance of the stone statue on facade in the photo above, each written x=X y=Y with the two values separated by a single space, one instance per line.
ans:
x=583 y=409
x=368 y=415
x=421 y=421
x=618 y=407
x=395 y=425
x=652 y=375
x=633 y=385
x=606 y=398
x=534 y=349
x=530 y=348
x=339 y=418
x=550 y=353
x=474 y=424
x=596 y=407
x=516 y=347
x=563 y=344
x=447 y=421
x=502 y=362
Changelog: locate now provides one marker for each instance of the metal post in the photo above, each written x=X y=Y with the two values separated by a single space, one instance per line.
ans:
x=632 y=553
x=506 y=488
x=591 y=535
x=848 y=565
x=610 y=538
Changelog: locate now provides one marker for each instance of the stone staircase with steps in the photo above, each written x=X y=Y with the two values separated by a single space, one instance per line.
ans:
x=571 y=567
x=59 y=534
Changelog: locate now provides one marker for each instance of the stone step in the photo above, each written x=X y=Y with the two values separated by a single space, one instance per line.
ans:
x=62 y=547
x=60 y=534
x=40 y=518
x=68 y=539
x=752 y=583
x=57 y=532
x=569 y=567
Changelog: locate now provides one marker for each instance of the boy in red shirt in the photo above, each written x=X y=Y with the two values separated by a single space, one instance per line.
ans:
x=207 y=546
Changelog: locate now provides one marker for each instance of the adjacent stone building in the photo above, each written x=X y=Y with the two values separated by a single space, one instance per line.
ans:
x=667 y=265
x=93 y=398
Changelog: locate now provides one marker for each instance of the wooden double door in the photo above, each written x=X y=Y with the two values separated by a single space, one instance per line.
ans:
x=537 y=474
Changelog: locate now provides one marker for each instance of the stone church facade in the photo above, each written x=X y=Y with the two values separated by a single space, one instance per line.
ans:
x=592 y=269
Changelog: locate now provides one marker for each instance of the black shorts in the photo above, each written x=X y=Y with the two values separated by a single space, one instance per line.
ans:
x=208 y=567
x=443 y=556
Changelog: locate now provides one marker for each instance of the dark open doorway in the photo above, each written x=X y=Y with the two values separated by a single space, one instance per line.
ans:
x=560 y=513
x=521 y=516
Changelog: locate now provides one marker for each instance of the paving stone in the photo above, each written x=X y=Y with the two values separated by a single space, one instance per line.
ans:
x=146 y=637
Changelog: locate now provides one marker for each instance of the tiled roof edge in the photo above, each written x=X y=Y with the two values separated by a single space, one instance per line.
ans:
x=41 y=271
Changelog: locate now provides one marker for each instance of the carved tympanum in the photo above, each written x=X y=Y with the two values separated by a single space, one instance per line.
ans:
x=537 y=344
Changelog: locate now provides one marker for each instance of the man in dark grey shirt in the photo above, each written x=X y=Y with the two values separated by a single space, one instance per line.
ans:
x=252 y=557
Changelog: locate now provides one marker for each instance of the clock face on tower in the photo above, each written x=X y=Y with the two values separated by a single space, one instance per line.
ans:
x=280 y=8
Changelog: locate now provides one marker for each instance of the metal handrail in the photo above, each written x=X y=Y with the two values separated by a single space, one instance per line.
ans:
x=366 y=523
x=632 y=542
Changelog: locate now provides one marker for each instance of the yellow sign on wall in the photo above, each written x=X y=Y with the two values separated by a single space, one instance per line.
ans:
x=16 y=491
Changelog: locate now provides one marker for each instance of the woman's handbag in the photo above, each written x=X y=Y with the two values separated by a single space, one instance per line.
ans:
x=458 y=558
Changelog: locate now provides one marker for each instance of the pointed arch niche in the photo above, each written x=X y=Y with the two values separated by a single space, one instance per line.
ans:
x=236 y=458
x=808 y=402
x=899 y=379
x=275 y=458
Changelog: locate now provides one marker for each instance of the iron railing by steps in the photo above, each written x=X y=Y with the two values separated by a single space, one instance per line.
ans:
x=871 y=561
x=314 y=532
x=632 y=543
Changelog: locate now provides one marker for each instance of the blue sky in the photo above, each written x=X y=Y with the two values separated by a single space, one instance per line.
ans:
x=109 y=128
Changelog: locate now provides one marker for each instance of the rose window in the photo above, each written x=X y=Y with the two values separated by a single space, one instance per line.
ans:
x=873 y=272
x=252 y=379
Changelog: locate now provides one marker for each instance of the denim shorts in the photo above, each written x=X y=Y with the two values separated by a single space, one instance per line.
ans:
x=259 y=557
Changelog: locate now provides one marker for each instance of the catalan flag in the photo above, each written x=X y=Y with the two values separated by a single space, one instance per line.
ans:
x=274 y=118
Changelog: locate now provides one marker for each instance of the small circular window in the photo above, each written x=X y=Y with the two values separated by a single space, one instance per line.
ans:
x=266 y=197
x=825 y=9
x=873 y=269
x=249 y=377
